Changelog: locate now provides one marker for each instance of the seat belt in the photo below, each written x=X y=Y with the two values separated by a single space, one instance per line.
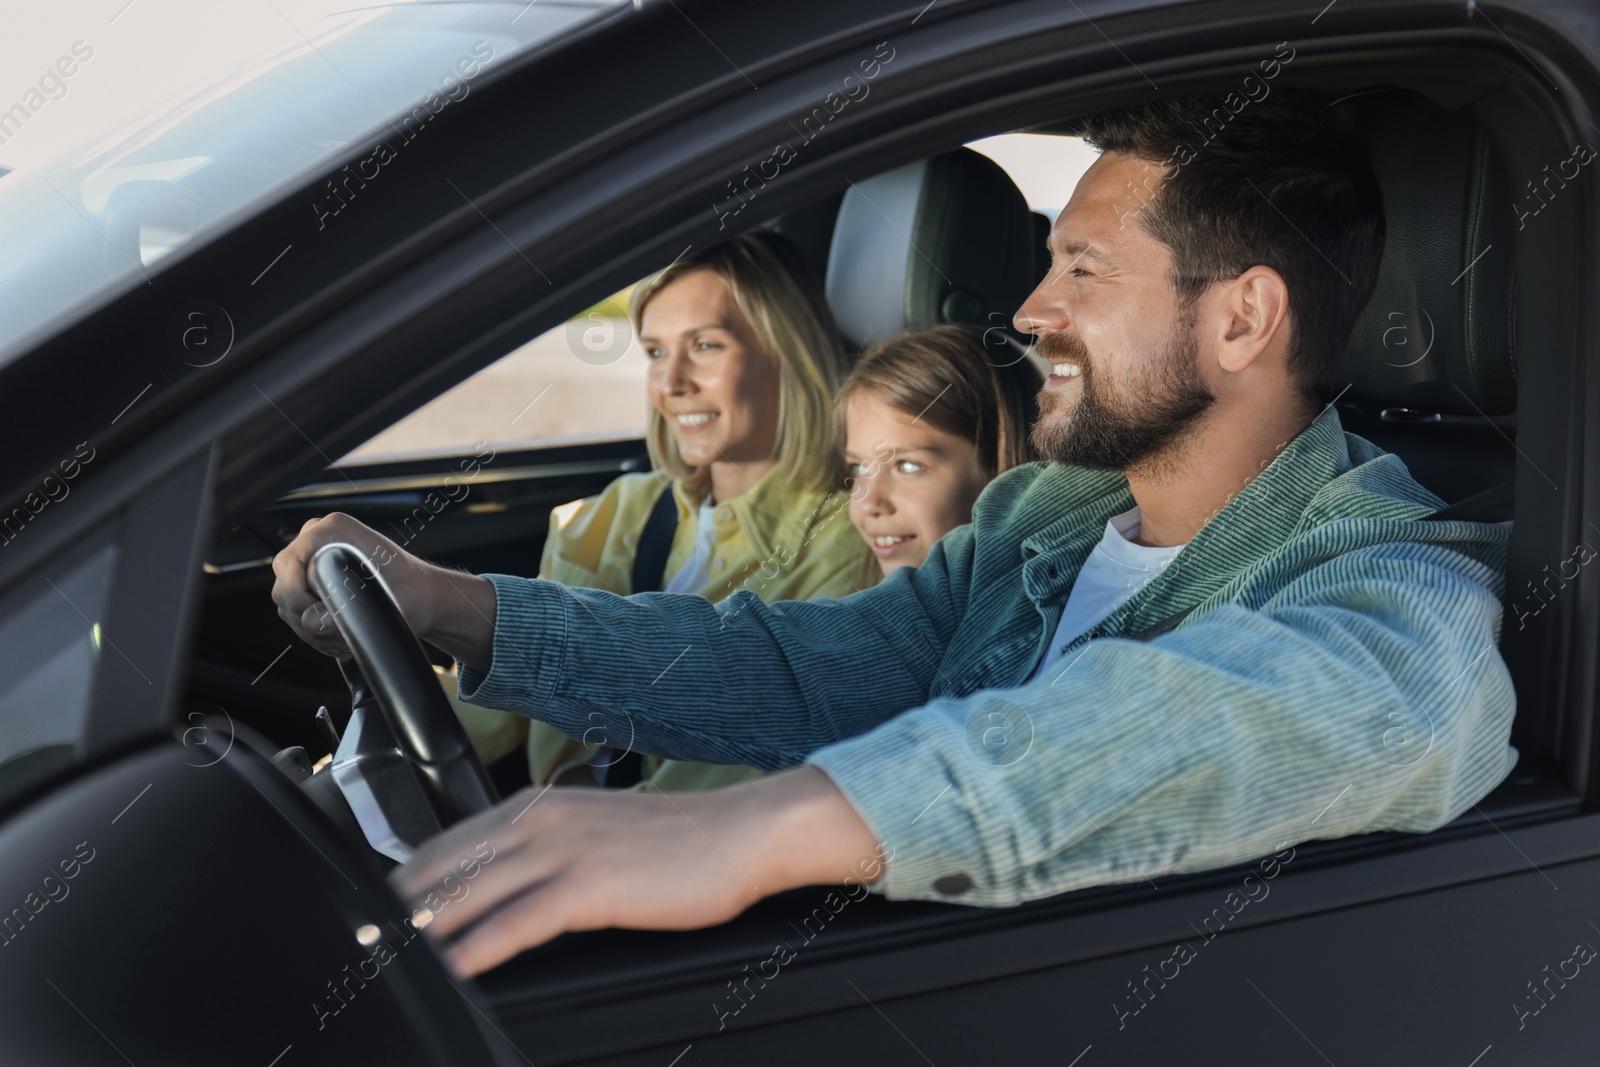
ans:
x=1164 y=625
x=1494 y=504
x=655 y=541
x=616 y=771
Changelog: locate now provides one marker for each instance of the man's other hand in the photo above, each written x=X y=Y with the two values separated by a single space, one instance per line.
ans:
x=582 y=859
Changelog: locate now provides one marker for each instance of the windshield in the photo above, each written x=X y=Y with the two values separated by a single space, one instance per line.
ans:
x=79 y=226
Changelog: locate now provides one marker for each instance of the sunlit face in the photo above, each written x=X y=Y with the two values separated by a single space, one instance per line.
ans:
x=910 y=483
x=709 y=375
x=1126 y=382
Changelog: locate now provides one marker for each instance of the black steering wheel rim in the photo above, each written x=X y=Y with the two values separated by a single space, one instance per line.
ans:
x=389 y=661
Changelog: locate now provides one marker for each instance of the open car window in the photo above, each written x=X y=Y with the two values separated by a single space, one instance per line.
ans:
x=1045 y=167
x=583 y=381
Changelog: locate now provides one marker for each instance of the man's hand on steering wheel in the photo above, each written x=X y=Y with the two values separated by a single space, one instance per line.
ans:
x=299 y=606
x=582 y=859
x=454 y=611
x=307 y=616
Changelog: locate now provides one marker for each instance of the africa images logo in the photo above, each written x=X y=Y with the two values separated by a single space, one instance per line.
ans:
x=51 y=85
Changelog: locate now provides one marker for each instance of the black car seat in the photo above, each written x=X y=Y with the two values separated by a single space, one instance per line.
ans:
x=1432 y=361
x=1431 y=365
x=948 y=239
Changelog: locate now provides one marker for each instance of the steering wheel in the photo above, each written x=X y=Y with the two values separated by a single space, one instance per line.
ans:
x=405 y=765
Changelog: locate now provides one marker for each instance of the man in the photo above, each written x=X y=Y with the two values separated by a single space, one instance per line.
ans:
x=1001 y=723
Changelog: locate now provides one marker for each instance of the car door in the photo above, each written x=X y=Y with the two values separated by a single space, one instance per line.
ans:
x=1384 y=949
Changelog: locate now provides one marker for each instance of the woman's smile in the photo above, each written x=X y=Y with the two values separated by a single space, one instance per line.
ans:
x=711 y=380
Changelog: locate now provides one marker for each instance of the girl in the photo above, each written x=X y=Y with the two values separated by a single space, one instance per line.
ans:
x=744 y=361
x=927 y=422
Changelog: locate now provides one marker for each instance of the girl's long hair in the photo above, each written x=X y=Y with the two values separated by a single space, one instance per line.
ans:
x=944 y=377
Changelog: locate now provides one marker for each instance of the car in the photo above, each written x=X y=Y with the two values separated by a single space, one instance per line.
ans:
x=205 y=308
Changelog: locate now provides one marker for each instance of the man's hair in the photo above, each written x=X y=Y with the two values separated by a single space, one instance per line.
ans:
x=943 y=377
x=1282 y=183
x=782 y=298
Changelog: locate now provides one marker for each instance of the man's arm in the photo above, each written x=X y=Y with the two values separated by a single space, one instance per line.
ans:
x=740 y=681
x=453 y=610
x=1367 y=695
x=678 y=677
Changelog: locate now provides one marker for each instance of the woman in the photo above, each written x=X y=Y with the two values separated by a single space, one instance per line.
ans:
x=927 y=422
x=744 y=361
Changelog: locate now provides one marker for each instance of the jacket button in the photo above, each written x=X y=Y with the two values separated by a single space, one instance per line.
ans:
x=717 y=565
x=953 y=885
x=725 y=514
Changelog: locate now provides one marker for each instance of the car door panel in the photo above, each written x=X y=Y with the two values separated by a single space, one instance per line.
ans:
x=700 y=987
x=1322 y=989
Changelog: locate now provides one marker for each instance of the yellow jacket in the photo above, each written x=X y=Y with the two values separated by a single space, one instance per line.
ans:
x=777 y=543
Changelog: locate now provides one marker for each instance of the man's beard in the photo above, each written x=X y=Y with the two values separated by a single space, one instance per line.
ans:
x=1132 y=426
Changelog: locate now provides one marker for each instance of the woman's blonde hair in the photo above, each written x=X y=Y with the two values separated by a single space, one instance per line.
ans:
x=943 y=376
x=779 y=295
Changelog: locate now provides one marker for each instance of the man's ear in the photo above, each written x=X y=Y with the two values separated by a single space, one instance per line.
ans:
x=1255 y=306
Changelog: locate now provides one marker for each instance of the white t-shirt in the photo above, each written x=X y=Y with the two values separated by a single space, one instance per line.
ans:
x=1114 y=572
x=693 y=574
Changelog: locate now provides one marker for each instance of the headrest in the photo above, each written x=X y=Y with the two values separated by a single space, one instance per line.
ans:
x=948 y=239
x=1441 y=322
